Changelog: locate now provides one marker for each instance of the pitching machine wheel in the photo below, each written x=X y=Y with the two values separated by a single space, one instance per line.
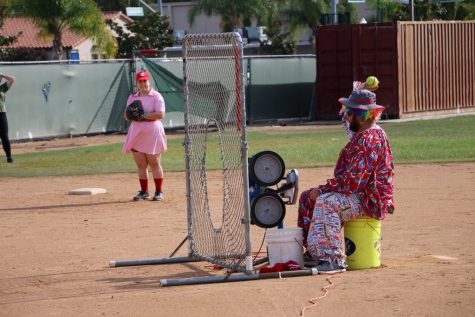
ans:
x=266 y=168
x=267 y=210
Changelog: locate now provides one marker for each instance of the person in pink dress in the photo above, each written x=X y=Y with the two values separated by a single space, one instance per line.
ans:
x=146 y=139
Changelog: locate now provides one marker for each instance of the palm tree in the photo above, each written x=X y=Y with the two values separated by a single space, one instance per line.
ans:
x=55 y=16
x=233 y=12
x=306 y=13
x=5 y=40
x=464 y=10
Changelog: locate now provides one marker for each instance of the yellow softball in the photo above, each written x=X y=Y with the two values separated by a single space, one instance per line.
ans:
x=372 y=82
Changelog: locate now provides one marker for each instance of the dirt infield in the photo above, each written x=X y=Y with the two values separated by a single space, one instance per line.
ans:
x=56 y=247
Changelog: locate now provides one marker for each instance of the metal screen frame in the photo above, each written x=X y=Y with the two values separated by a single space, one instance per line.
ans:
x=227 y=118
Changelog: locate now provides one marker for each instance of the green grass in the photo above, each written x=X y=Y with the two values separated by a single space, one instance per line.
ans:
x=421 y=141
x=442 y=140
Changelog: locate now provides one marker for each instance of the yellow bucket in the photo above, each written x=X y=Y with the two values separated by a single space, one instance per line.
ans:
x=363 y=243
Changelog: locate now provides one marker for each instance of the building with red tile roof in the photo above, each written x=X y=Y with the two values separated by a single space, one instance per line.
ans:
x=74 y=45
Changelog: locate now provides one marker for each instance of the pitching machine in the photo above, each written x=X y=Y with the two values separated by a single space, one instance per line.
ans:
x=267 y=169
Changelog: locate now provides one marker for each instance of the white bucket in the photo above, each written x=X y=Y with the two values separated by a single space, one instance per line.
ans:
x=284 y=245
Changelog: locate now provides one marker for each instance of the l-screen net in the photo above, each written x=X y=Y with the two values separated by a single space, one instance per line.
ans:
x=218 y=200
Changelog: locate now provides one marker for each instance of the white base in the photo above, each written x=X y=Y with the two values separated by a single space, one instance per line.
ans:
x=87 y=191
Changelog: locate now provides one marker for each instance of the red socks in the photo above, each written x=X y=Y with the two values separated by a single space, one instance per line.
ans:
x=158 y=184
x=143 y=184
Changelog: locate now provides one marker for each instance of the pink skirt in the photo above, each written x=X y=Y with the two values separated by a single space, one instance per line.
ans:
x=146 y=137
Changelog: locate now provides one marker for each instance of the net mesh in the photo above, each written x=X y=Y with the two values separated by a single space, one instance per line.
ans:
x=109 y=115
x=214 y=121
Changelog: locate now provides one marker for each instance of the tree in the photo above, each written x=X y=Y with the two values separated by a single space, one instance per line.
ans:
x=306 y=13
x=278 y=42
x=345 y=7
x=460 y=10
x=389 y=11
x=21 y=54
x=153 y=31
x=55 y=16
x=6 y=40
x=233 y=12
x=112 y=5
x=5 y=51
x=275 y=14
x=426 y=10
x=279 y=39
x=299 y=15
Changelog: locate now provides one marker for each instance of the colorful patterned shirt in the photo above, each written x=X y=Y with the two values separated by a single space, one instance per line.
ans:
x=365 y=166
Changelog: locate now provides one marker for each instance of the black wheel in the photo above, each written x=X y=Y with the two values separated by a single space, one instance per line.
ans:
x=266 y=168
x=267 y=210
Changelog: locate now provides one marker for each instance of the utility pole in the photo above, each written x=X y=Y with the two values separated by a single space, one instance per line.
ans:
x=159 y=3
x=411 y=4
x=378 y=12
x=335 y=15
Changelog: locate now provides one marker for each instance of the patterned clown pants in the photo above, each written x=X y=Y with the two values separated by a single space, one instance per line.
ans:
x=322 y=220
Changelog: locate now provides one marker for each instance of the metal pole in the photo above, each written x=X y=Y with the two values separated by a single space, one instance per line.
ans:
x=378 y=12
x=159 y=3
x=189 y=194
x=178 y=247
x=182 y=259
x=235 y=277
x=260 y=261
x=240 y=90
x=147 y=6
x=411 y=3
x=335 y=16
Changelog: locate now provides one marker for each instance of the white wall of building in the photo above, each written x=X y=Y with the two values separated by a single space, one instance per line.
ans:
x=85 y=50
x=178 y=15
